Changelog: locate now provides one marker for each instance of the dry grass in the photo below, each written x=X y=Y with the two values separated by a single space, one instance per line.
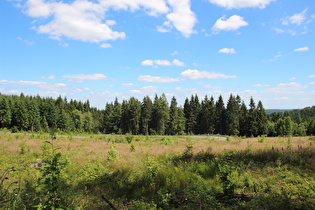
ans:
x=96 y=147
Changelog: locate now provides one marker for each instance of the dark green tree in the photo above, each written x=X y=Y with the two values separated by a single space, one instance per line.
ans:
x=176 y=121
x=252 y=119
x=262 y=123
x=160 y=115
x=232 y=116
x=220 y=116
x=146 y=114
x=5 y=112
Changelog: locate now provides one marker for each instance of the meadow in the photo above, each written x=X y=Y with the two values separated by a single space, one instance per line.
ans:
x=155 y=172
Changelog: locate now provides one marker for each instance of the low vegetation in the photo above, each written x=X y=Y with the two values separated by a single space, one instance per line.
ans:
x=155 y=172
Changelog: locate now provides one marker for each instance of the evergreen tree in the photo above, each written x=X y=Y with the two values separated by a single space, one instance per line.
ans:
x=206 y=116
x=33 y=115
x=77 y=118
x=134 y=115
x=108 y=115
x=243 y=123
x=115 y=117
x=146 y=114
x=261 y=119
x=220 y=116
x=252 y=118
x=232 y=116
x=176 y=122
x=88 y=122
x=5 y=112
x=160 y=114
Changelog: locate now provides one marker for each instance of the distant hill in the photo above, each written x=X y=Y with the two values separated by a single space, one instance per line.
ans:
x=270 y=111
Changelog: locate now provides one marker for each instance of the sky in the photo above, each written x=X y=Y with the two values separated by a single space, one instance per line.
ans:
x=98 y=50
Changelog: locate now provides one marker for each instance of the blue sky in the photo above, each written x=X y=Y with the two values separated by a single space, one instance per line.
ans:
x=102 y=49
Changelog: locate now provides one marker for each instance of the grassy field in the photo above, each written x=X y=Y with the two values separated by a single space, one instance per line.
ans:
x=156 y=172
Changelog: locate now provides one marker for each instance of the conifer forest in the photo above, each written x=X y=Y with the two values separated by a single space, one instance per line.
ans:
x=154 y=154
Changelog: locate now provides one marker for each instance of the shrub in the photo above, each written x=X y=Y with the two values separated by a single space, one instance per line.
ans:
x=113 y=154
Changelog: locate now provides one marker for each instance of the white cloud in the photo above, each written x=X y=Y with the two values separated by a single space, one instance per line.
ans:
x=175 y=62
x=182 y=17
x=312 y=83
x=175 y=53
x=128 y=84
x=195 y=74
x=147 y=63
x=145 y=90
x=148 y=78
x=55 y=87
x=82 y=77
x=261 y=85
x=212 y=87
x=49 y=77
x=27 y=42
x=105 y=45
x=311 y=76
x=227 y=50
x=233 y=23
x=86 y=20
x=162 y=62
x=288 y=88
x=302 y=49
x=231 y=4
x=21 y=82
x=185 y=90
x=278 y=30
x=298 y=18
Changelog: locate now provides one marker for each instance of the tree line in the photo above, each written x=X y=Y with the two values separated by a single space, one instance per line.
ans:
x=152 y=116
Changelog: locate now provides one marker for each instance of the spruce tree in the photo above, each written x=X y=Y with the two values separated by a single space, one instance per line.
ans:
x=220 y=116
x=5 y=112
x=146 y=114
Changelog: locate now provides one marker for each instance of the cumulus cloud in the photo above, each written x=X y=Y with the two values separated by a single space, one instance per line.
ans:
x=196 y=74
x=82 y=77
x=227 y=50
x=234 y=4
x=175 y=62
x=302 y=49
x=85 y=20
x=233 y=23
x=182 y=18
x=148 y=78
